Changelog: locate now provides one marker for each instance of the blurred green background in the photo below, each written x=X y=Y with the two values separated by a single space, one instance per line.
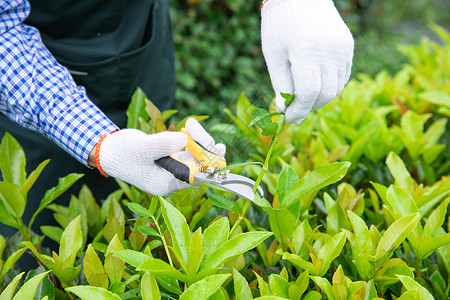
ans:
x=218 y=46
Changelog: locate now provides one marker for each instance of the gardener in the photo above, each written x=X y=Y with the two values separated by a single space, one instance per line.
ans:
x=110 y=48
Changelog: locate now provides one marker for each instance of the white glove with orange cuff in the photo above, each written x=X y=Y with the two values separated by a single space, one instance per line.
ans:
x=130 y=154
x=308 y=50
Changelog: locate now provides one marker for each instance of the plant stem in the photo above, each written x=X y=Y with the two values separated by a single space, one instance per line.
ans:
x=264 y=170
x=163 y=240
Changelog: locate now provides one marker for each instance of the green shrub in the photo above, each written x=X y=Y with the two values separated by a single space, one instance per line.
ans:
x=356 y=206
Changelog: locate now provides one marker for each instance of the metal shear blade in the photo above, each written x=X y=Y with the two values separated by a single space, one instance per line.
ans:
x=237 y=184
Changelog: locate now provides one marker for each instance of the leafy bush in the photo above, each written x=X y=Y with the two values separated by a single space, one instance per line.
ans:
x=356 y=206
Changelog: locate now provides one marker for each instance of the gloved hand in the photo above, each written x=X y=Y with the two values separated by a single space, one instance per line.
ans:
x=308 y=51
x=130 y=154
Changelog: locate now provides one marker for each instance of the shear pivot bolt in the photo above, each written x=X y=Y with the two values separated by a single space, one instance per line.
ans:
x=210 y=170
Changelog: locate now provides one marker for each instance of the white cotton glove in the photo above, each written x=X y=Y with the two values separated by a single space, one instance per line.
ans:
x=130 y=154
x=308 y=51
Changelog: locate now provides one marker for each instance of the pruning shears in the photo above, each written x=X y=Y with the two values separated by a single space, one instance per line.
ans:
x=208 y=169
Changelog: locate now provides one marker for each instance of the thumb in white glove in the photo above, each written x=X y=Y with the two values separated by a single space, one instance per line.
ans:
x=308 y=51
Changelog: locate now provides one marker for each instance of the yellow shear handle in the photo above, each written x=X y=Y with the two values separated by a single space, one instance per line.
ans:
x=201 y=153
x=182 y=170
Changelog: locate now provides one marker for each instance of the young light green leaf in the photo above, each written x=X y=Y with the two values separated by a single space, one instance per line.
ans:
x=397 y=232
x=233 y=248
x=313 y=295
x=160 y=267
x=92 y=292
x=315 y=180
x=300 y=262
x=52 y=232
x=204 y=288
x=324 y=285
x=282 y=223
x=114 y=266
x=436 y=219
x=31 y=179
x=178 y=228
x=138 y=209
x=400 y=201
x=10 y=261
x=71 y=241
x=263 y=118
x=289 y=98
x=12 y=161
x=279 y=286
x=215 y=235
x=410 y=284
x=221 y=201
x=148 y=231
x=286 y=180
x=29 y=288
x=241 y=288
x=270 y=129
x=8 y=292
x=149 y=287
x=428 y=245
x=260 y=114
x=330 y=250
x=134 y=258
x=195 y=253
x=93 y=269
x=136 y=109
x=400 y=173
x=12 y=199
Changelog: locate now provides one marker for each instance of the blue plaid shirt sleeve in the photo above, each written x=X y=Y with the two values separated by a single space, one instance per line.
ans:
x=40 y=94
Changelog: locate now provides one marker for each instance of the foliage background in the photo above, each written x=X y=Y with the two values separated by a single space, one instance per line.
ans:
x=219 y=56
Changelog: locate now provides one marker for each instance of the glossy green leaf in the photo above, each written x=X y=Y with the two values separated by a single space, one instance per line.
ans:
x=330 y=250
x=204 y=288
x=263 y=118
x=196 y=253
x=264 y=288
x=31 y=179
x=221 y=201
x=400 y=173
x=149 y=287
x=279 y=286
x=428 y=245
x=313 y=295
x=314 y=181
x=286 y=180
x=397 y=232
x=136 y=109
x=12 y=199
x=160 y=267
x=52 y=232
x=289 y=98
x=282 y=223
x=400 y=202
x=93 y=269
x=241 y=287
x=270 y=129
x=114 y=266
x=178 y=228
x=215 y=235
x=8 y=292
x=148 y=231
x=71 y=241
x=233 y=248
x=91 y=292
x=138 y=209
x=134 y=258
x=324 y=285
x=436 y=219
x=28 y=290
x=300 y=262
x=10 y=261
x=12 y=161
x=410 y=284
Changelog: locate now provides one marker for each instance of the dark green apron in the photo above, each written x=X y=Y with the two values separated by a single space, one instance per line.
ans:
x=110 y=47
